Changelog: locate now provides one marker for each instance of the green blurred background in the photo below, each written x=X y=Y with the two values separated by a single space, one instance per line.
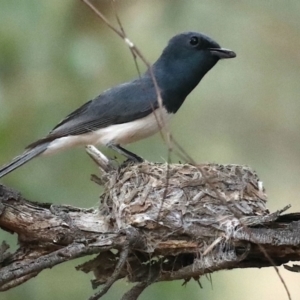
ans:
x=55 y=55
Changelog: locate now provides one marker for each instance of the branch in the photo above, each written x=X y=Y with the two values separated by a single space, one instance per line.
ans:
x=155 y=222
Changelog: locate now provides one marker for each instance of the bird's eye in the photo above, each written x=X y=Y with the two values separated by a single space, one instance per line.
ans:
x=194 y=41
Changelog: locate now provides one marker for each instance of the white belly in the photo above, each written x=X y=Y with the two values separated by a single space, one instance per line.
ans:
x=120 y=134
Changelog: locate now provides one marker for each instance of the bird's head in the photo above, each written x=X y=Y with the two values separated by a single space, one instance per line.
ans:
x=183 y=63
x=194 y=51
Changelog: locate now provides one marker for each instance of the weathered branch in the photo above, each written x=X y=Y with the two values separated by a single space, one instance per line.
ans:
x=154 y=223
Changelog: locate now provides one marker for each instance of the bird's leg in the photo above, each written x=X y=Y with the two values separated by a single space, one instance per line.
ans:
x=126 y=153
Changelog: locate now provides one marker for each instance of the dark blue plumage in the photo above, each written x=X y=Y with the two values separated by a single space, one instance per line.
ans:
x=129 y=112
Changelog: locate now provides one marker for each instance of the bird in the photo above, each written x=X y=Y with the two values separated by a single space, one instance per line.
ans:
x=134 y=110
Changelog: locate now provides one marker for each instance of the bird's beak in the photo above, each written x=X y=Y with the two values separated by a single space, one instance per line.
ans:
x=222 y=53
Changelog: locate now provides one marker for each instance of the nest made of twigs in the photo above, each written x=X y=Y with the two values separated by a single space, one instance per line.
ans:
x=209 y=200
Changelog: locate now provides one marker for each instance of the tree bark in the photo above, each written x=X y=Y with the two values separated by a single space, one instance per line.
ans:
x=155 y=222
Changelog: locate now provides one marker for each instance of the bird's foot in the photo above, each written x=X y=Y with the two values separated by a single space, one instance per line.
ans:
x=131 y=157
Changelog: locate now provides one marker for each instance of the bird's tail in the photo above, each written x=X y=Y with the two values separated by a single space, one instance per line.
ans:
x=23 y=158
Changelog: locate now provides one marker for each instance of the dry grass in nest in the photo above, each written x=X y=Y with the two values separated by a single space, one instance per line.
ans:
x=181 y=204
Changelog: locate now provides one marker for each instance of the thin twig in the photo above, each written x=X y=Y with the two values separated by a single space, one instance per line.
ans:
x=135 y=291
x=114 y=277
x=137 y=52
x=124 y=34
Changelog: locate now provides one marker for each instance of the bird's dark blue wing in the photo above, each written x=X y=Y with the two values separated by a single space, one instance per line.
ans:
x=121 y=104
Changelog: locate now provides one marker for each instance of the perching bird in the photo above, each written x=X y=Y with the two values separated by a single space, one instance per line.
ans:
x=131 y=111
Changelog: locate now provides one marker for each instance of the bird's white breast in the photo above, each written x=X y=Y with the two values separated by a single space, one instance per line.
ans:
x=119 y=134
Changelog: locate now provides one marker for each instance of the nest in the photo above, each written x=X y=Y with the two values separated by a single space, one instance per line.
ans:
x=172 y=202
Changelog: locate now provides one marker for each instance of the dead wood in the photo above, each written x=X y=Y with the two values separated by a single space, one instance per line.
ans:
x=155 y=222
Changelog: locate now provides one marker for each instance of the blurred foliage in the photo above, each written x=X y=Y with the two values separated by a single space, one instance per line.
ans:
x=56 y=55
